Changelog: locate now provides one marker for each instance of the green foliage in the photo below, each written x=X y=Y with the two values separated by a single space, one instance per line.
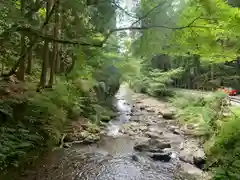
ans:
x=223 y=155
x=214 y=32
x=154 y=81
x=201 y=111
x=221 y=132
x=38 y=120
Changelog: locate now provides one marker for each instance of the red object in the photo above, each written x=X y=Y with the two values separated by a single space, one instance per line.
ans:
x=229 y=91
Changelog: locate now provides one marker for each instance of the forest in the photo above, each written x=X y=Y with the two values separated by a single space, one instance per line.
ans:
x=64 y=60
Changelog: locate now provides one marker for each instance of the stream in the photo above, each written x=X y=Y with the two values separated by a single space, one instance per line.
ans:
x=112 y=158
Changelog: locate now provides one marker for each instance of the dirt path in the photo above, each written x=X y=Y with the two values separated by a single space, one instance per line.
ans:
x=158 y=135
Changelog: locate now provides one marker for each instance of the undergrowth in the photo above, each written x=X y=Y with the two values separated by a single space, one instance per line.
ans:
x=33 y=121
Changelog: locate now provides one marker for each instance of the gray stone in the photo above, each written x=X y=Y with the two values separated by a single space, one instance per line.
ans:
x=175 y=130
x=167 y=114
x=199 y=158
x=153 y=134
x=186 y=156
x=150 y=110
x=152 y=145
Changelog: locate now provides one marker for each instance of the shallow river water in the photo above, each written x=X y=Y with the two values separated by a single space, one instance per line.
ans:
x=109 y=159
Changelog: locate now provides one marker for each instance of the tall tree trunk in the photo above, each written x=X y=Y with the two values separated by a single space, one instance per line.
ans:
x=55 y=50
x=58 y=26
x=21 y=70
x=43 y=77
x=29 y=62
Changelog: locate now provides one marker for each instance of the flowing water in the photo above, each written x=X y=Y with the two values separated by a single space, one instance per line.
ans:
x=109 y=159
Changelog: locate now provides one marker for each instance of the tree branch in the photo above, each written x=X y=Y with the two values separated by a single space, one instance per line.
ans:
x=14 y=27
x=149 y=12
x=33 y=43
x=101 y=43
x=122 y=9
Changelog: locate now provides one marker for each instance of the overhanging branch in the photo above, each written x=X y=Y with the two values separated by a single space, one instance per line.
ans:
x=38 y=34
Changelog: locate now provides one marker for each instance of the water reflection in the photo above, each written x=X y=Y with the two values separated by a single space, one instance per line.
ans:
x=123 y=104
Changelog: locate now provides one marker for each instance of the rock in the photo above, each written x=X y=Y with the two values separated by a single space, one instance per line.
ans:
x=152 y=145
x=186 y=156
x=153 y=134
x=181 y=146
x=199 y=158
x=140 y=157
x=83 y=135
x=199 y=162
x=142 y=128
x=150 y=110
x=175 y=130
x=159 y=144
x=168 y=115
x=165 y=157
x=135 y=157
x=143 y=107
x=196 y=158
x=142 y=147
